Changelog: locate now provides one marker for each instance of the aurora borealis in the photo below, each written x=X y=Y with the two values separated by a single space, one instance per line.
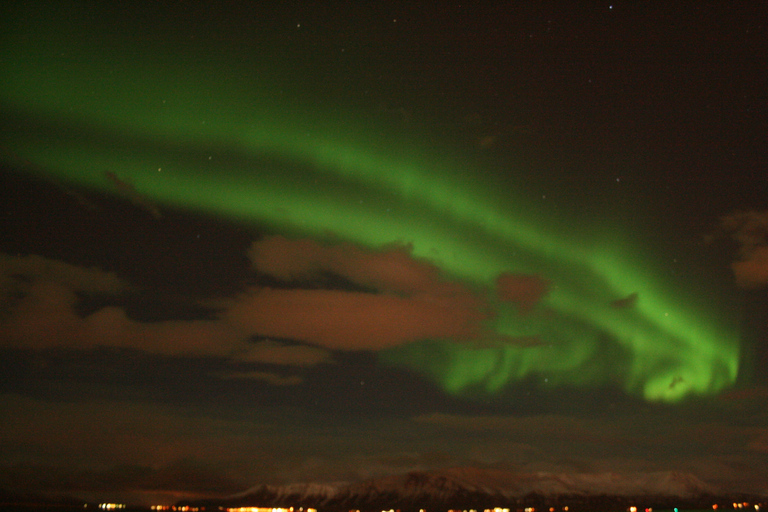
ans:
x=412 y=233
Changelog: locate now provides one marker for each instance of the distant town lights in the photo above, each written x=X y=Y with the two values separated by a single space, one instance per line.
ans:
x=744 y=506
x=266 y=509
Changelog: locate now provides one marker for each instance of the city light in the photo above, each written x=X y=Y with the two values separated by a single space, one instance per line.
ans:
x=758 y=507
x=266 y=509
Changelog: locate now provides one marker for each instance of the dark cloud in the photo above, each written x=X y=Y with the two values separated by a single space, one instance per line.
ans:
x=273 y=352
x=269 y=377
x=627 y=302
x=130 y=192
x=725 y=454
x=182 y=479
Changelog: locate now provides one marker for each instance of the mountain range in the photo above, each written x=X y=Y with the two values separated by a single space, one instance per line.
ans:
x=465 y=488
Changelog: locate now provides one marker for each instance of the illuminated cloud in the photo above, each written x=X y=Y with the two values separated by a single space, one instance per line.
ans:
x=342 y=320
x=18 y=271
x=392 y=269
x=406 y=300
x=41 y=298
x=752 y=272
x=46 y=317
x=111 y=326
x=750 y=231
x=760 y=442
x=523 y=290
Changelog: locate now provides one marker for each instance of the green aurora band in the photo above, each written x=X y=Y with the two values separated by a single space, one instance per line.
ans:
x=190 y=133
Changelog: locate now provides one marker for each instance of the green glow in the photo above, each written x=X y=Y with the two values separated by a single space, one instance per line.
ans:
x=213 y=137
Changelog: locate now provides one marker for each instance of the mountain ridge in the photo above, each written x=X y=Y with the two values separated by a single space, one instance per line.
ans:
x=470 y=487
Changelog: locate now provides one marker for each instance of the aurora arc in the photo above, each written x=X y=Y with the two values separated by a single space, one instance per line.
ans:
x=218 y=141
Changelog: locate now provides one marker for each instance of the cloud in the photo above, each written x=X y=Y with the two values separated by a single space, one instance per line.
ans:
x=99 y=432
x=273 y=352
x=350 y=466
x=42 y=299
x=71 y=448
x=343 y=320
x=130 y=192
x=40 y=296
x=135 y=484
x=269 y=377
x=521 y=289
x=409 y=299
x=196 y=337
x=393 y=269
x=43 y=318
x=750 y=231
x=626 y=302
x=660 y=440
x=46 y=317
x=752 y=272
x=548 y=426
x=404 y=300
x=760 y=442
x=19 y=271
x=751 y=393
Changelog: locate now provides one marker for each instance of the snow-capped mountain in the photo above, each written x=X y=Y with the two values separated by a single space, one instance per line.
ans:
x=291 y=493
x=471 y=487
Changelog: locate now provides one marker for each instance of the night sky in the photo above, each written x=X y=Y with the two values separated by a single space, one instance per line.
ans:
x=245 y=244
